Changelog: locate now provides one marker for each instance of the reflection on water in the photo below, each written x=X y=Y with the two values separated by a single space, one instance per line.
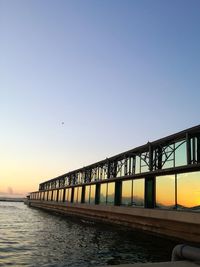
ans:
x=31 y=237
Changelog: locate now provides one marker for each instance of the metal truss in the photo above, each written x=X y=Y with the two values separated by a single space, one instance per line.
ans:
x=149 y=158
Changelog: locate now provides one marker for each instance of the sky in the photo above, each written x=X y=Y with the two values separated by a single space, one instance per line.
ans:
x=84 y=80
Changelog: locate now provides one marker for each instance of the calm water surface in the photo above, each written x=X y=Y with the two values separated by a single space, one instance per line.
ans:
x=32 y=237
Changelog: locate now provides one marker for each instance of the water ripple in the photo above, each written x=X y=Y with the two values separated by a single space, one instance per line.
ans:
x=31 y=237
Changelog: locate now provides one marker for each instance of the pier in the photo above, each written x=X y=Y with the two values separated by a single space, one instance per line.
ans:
x=154 y=188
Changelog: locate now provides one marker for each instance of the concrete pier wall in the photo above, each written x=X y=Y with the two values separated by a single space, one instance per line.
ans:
x=175 y=224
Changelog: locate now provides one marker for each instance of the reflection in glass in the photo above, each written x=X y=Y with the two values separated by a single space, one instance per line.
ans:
x=144 y=162
x=54 y=195
x=111 y=193
x=60 y=196
x=45 y=195
x=103 y=193
x=138 y=192
x=168 y=156
x=66 y=194
x=126 y=192
x=49 y=195
x=79 y=194
x=75 y=194
x=137 y=164
x=87 y=194
x=92 y=194
x=165 y=191
x=42 y=195
x=180 y=154
x=188 y=191
x=69 y=195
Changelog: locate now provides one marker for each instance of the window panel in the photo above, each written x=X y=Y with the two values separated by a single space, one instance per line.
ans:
x=111 y=193
x=165 y=191
x=54 y=195
x=138 y=192
x=127 y=192
x=87 y=194
x=188 y=191
x=79 y=196
x=45 y=195
x=50 y=196
x=60 y=197
x=92 y=194
x=180 y=154
x=75 y=194
x=69 y=195
x=137 y=164
x=103 y=193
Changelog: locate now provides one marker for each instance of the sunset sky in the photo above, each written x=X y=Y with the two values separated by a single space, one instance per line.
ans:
x=84 y=80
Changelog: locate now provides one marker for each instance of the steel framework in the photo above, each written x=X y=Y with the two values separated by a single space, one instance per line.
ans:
x=159 y=157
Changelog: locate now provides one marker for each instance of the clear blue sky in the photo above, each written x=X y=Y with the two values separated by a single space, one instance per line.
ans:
x=117 y=73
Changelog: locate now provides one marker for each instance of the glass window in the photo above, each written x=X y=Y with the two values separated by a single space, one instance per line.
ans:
x=45 y=195
x=60 y=196
x=50 y=196
x=79 y=196
x=42 y=195
x=54 y=195
x=144 y=162
x=127 y=192
x=111 y=193
x=103 y=193
x=137 y=164
x=87 y=194
x=180 y=154
x=168 y=156
x=58 y=192
x=165 y=191
x=75 y=194
x=69 y=195
x=92 y=194
x=138 y=192
x=66 y=194
x=188 y=191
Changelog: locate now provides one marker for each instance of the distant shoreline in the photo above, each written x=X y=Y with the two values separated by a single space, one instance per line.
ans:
x=12 y=199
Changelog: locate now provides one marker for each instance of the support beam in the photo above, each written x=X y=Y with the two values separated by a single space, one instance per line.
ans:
x=188 y=148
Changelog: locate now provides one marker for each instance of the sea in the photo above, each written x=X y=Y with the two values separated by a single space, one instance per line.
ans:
x=33 y=237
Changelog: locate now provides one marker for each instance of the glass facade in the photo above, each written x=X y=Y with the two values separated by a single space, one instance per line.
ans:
x=176 y=191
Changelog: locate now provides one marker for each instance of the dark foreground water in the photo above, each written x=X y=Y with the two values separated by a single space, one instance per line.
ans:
x=32 y=237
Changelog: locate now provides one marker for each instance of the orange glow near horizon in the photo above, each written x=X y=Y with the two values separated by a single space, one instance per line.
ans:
x=188 y=193
x=188 y=190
